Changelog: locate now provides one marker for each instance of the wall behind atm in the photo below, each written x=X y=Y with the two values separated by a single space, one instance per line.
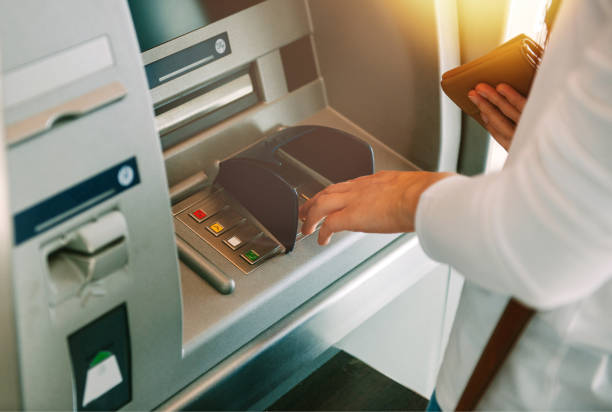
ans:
x=406 y=348
x=481 y=28
x=379 y=61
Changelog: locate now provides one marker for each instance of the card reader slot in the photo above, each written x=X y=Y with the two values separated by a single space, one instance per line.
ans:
x=204 y=104
x=79 y=106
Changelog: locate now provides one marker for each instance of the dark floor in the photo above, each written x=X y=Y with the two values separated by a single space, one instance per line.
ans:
x=344 y=383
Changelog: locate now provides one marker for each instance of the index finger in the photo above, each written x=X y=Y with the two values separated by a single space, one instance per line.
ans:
x=341 y=187
x=319 y=208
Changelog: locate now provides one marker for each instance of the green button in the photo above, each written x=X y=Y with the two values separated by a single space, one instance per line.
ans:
x=251 y=255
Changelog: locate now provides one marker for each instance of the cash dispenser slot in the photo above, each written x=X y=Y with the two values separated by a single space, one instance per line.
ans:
x=250 y=213
x=204 y=104
x=87 y=254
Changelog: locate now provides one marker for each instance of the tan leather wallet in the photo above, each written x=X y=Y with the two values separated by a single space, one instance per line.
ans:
x=514 y=63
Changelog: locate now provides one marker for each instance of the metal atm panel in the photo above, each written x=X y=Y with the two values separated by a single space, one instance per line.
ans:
x=283 y=283
x=198 y=324
x=75 y=175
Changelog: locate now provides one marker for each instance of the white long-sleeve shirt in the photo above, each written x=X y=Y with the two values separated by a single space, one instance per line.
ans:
x=539 y=230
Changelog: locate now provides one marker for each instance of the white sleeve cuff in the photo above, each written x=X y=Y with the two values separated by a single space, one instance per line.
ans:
x=452 y=227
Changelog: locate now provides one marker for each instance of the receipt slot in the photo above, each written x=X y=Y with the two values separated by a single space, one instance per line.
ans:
x=100 y=354
x=85 y=255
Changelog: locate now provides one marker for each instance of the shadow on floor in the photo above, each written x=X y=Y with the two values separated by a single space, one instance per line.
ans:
x=344 y=383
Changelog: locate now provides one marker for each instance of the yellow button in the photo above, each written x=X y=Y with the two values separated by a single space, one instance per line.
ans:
x=217 y=227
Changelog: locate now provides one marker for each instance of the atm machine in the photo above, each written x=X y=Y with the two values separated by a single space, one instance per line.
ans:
x=157 y=152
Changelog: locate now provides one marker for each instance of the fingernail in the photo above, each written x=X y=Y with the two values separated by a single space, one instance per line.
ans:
x=472 y=99
x=484 y=118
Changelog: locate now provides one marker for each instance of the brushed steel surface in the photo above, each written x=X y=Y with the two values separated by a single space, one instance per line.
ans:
x=187 y=187
x=235 y=339
x=215 y=325
x=205 y=269
x=204 y=104
x=206 y=149
x=257 y=368
x=252 y=32
x=65 y=156
x=35 y=78
x=270 y=76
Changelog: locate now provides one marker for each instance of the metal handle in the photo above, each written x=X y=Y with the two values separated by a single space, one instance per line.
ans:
x=204 y=268
x=43 y=121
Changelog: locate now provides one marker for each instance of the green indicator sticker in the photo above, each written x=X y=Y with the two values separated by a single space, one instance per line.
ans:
x=252 y=255
x=102 y=355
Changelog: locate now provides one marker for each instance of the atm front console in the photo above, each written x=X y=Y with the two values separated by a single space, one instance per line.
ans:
x=250 y=213
x=125 y=294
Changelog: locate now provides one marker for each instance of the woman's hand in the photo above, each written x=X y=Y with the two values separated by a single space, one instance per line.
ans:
x=500 y=110
x=385 y=202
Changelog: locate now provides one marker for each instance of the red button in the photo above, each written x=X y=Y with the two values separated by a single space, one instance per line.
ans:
x=200 y=214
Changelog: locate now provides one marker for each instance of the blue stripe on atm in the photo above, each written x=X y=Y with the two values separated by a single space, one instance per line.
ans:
x=76 y=199
x=181 y=60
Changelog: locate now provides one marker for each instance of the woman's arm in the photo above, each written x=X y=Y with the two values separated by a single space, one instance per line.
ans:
x=540 y=229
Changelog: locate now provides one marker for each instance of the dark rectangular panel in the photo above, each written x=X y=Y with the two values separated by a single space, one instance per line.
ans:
x=83 y=196
x=101 y=362
x=187 y=60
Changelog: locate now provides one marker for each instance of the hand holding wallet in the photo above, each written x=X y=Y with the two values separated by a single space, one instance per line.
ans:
x=514 y=63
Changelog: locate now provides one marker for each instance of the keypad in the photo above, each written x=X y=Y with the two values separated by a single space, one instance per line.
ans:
x=241 y=235
x=224 y=221
x=259 y=248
